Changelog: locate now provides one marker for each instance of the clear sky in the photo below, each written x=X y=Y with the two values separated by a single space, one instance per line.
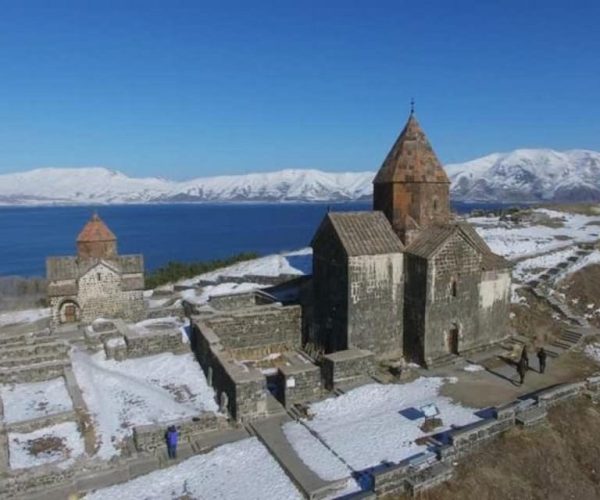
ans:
x=192 y=88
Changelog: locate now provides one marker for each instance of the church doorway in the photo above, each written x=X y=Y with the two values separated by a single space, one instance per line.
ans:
x=69 y=312
x=453 y=338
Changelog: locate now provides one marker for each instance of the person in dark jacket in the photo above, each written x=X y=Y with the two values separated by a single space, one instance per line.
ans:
x=521 y=369
x=542 y=359
x=172 y=438
x=525 y=357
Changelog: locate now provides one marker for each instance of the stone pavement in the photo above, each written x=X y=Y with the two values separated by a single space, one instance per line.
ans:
x=272 y=436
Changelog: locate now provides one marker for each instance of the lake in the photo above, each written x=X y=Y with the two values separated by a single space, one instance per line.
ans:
x=162 y=233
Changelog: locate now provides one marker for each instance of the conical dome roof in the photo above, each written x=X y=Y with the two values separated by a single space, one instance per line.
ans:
x=411 y=159
x=95 y=230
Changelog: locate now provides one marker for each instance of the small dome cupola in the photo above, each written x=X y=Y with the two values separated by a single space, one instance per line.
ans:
x=96 y=240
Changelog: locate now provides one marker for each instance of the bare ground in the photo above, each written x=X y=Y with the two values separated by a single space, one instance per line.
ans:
x=582 y=289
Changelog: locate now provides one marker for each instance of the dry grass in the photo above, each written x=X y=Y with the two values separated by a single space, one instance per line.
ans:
x=534 y=320
x=558 y=460
x=575 y=208
x=581 y=289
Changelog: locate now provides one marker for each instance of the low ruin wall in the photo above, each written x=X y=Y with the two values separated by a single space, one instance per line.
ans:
x=152 y=437
x=256 y=327
x=240 y=390
x=297 y=384
x=148 y=343
x=346 y=366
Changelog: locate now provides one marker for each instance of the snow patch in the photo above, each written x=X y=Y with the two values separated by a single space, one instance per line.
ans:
x=66 y=435
x=153 y=389
x=34 y=400
x=239 y=471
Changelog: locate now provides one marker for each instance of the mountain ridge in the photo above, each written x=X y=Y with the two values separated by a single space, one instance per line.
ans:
x=522 y=175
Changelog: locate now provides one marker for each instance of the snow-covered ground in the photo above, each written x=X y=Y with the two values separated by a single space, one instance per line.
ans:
x=318 y=457
x=270 y=265
x=592 y=351
x=516 y=241
x=244 y=470
x=69 y=445
x=122 y=394
x=216 y=290
x=33 y=400
x=365 y=426
x=150 y=325
x=24 y=316
x=592 y=258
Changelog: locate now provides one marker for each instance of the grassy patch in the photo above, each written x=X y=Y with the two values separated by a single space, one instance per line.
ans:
x=175 y=271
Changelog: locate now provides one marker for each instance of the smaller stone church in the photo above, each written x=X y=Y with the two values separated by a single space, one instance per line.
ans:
x=97 y=282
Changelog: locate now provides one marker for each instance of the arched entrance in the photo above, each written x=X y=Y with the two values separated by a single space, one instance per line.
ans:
x=69 y=312
x=452 y=339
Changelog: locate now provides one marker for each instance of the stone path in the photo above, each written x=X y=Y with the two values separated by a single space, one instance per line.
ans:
x=271 y=435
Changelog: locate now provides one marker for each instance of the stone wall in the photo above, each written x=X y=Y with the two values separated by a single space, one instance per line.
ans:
x=233 y=301
x=330 y=294
x=240 y=390
x=494 y=305
x=298 y=383
x=152 y=437
x=376 y=303
x=147 y=343
x=258 y=326
x=346 y=366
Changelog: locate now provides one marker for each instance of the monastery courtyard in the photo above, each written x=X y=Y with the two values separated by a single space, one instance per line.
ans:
x=91 y=421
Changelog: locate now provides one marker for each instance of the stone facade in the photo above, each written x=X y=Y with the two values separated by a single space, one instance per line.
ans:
x=358 y=284
x=97 y=282
x=453 y=305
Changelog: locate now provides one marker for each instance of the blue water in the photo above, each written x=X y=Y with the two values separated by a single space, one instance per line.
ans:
x=184 y=232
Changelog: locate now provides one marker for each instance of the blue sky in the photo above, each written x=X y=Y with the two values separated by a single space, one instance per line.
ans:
x=184 y=89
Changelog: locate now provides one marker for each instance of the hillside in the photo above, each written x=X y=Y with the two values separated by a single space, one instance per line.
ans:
x=524 y=175
x=558 y=460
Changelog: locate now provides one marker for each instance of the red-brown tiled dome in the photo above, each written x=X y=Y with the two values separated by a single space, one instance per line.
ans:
x=95 y=230
x=96 y=241
x=411 y=159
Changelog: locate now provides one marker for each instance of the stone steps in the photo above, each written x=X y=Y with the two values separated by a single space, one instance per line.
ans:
x=24 y=361
x=531 y=417
x=33 y=372
x=562 y=345
x=26 y=350
x=26 y=339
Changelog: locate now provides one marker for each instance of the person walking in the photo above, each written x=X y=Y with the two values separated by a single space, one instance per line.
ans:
x=542 y=355
x=172 y=438
x=521 y=369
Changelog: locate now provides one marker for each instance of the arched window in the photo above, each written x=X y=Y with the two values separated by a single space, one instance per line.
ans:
x=435 y=205
x=454 y=288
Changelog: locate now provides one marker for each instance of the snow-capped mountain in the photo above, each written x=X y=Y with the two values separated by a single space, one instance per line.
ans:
x=522 y=175
x=100 y=185
x=528 y=175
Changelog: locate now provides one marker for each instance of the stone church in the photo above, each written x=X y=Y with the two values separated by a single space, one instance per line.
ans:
x=98 y=282
x=407 y=280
